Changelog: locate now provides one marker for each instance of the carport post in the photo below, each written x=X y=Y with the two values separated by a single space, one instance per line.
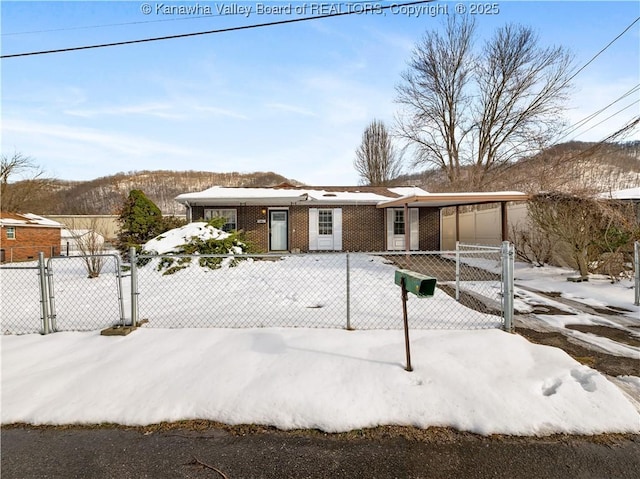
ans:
x=134 y=286
x=636 y=261
x=44 y=296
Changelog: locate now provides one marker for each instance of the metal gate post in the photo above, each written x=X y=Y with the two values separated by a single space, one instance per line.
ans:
x=636 y=264
x=119 y=286
x=407 y=348
x=349 y=328
x=458 y=271
x=134 y=286
x=53 y=315
x=507 y=257
x=44 y=297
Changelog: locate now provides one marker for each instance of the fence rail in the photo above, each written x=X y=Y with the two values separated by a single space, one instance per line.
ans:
x=320 y=290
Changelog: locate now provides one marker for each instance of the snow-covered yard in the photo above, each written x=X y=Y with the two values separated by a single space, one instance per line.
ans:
x=334 y=380
x=484 y=381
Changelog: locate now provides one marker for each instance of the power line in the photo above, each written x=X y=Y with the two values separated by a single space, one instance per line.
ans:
x=606 y=119
x=377 y=8
x=106 y=25
x=571 y=129
x=140 y=22
x=602 y=51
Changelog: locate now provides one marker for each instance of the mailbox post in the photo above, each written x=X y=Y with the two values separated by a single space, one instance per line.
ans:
x=423 y=287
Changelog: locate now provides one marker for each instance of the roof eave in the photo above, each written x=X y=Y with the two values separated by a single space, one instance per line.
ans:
x=453 y=199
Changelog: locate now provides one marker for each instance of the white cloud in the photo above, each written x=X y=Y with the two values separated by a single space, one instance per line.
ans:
x=160 y=110
x=291 y=109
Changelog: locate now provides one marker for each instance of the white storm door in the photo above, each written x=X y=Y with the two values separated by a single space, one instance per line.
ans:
x=325 y=229
x=278 y=227
x=396 y=224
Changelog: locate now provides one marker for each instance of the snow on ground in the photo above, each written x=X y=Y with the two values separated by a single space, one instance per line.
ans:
x=333 y=380
x=485 y=381
x=597 y=292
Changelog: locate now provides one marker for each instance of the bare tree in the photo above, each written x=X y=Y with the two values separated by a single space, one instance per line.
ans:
x=21 y=179
x=91 y=245
x=469 y=113
x=377 y=161
x=589 y=231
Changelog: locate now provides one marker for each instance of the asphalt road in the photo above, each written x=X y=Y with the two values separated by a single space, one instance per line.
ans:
x=121 y=453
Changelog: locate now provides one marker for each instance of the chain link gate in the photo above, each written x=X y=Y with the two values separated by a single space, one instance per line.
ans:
x=79 y=300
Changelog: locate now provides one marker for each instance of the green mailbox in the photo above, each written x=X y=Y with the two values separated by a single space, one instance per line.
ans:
x=421 y=285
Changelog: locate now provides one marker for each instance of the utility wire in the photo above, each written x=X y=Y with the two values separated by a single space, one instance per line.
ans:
x=221 y=30
x=602 y=51
x=608 y=118
x=141 y=22
x=571 y=129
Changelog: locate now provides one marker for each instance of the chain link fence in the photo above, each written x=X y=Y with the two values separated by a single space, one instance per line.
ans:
x=78 y=301
x=320 y=290
x=326 y=290
x=59 y=294
x=21 y=299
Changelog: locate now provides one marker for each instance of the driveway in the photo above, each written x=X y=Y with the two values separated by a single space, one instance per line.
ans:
x=206 y=450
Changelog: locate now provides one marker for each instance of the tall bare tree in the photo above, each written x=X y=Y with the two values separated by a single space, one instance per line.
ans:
x=21 y=179
x=470 y=111
x=377 y=161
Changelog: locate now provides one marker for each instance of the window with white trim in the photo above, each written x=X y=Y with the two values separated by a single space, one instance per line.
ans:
x=398 y=222
x=325 y=222
x=230 y=216
x=11 y=233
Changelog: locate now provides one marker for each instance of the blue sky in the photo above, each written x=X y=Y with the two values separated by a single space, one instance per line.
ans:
x=293 y=99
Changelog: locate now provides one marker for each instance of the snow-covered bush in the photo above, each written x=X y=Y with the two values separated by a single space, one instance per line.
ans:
x=199 y=238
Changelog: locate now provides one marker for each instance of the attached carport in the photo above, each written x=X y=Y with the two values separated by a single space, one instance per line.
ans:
x=442 y=200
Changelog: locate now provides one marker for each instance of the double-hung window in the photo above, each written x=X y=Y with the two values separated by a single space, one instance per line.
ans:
x=11 y=233
x=325 y=222
x=398 y=222
x=230 y=216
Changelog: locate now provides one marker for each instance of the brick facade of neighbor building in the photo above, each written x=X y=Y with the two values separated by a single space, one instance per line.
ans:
x=29 y=237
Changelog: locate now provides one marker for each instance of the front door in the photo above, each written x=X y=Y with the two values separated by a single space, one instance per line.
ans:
x=278 y=228
x=396 y=228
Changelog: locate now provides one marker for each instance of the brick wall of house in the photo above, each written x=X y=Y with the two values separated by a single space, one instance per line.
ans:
x=363 y=226
x=429 y=219
x=256 y=233
x=29 y=241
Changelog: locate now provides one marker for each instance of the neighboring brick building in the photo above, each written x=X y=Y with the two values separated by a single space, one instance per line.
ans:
x=335 y=218
x=23 y=236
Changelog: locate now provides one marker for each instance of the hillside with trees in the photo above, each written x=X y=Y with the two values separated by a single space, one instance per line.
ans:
x=567 y=167
x=105 y=195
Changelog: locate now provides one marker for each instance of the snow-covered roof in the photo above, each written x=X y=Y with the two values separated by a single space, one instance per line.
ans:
x=303 y=195
x=383 y=197
x=626 y=194
x=27 y=219
x=452 y=199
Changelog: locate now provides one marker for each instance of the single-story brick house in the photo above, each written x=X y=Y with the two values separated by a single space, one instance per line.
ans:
x=333 y=218
x=23 y=236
